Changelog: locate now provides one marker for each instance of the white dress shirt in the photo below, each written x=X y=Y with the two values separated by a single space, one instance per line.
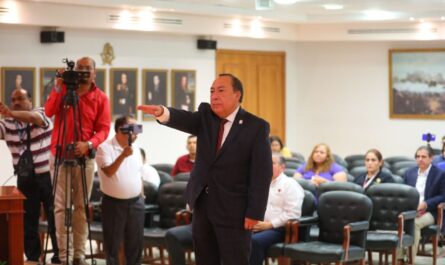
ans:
x=284 y=202
x=126 y=183
x=150 y=174
x=421 y=183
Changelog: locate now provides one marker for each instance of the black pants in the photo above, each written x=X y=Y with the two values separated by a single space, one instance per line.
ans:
x=179 y=239
x=37 y=189
x=123 y=220
x=216 y=244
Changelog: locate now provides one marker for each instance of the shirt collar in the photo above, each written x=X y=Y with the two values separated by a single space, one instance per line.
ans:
x=231 y=117
x=426 y=172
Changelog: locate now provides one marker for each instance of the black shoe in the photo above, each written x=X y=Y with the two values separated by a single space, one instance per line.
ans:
x=55 y=260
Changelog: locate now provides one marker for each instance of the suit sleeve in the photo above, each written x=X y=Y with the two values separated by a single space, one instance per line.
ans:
x=260 y=175
x=184 y=121
x=440 y=196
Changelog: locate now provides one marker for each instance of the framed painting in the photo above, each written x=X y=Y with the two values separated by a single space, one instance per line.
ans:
x=183 y=90
x=101 y=79
x=417 y=84
x=123 y=91
x=17 y=77
x=154 y=88
x=47 y=82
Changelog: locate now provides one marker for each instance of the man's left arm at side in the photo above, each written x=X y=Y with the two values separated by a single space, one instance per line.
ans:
x=259 y=178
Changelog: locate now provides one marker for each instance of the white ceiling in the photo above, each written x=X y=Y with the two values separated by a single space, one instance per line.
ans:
x=303 y=11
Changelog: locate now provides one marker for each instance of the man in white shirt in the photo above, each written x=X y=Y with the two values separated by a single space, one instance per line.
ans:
x=120 y=173
x=430 y=183
x=284 y=202
x=149 y=173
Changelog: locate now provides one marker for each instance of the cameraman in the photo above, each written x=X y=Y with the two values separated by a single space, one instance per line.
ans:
x=120 y=173
x=92 y=128
x=33 y=179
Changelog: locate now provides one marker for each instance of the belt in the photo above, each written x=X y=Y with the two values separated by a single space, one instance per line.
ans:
x=134 y=199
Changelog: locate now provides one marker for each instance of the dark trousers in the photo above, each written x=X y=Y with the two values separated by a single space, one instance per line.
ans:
x=37 y=189
x=214 y=244
x=123 y=220
x=261 y=241
x=178 y=239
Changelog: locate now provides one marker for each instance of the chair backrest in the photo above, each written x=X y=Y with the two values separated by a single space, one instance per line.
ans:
x=350 y=158
x=339 y=208
x=298 y=156
x=389 y=200
x=150 y=193
x=292 y=164
x=357 y=163
x=397 y=179
x=337 y=185
x=402 y=164
x=171 y=200
x=289 y=172
x=339 y=160
x=183 y=176
x=96 y=194
x=401 y=171
x=358 y=171
x=393 y=159
x=165 y=167
x=164 y=177
x=309 y=204
x=307 y=185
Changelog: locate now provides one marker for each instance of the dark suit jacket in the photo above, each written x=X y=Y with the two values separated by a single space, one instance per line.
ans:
x=238 y=177
x=434 y=188
x=382 y=177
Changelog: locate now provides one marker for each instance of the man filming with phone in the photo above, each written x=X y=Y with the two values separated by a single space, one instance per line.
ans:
x=27 y=133
x=120 y=172
x=83 y=135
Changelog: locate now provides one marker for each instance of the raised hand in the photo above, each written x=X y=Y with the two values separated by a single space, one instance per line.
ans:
x=4 y=110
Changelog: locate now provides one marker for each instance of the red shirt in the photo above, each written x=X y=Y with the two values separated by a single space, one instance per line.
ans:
x=183 y=164
x=95 y=117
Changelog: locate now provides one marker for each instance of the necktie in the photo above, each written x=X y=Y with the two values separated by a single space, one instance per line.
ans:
x=220 y=134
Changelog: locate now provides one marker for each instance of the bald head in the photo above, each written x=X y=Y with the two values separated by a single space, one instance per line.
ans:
x=20 y=99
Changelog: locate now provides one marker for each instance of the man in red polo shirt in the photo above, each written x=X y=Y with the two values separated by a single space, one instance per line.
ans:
x=92 y=129
x=185 y=163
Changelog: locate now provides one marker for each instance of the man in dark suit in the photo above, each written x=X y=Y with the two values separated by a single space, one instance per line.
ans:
x=430 y=183
x=228 y=186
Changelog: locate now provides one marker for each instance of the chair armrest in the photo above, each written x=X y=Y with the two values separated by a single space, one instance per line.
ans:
x=151 y=208
x=439 y=223
x=409 y=215
x=183 y=217
x=305 y=221
x=346 y=240
x=359 y=226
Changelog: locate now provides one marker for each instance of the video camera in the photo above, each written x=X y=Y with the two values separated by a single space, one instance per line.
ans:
x=71 y=78
x=428 y=137
x=131 y=128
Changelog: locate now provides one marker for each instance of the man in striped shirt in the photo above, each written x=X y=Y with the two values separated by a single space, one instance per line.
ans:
x=36 y=185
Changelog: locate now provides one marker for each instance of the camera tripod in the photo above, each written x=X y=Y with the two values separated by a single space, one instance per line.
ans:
x=66 y=161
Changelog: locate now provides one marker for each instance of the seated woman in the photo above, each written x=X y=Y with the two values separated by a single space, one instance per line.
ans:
x=375 y=175
x=321 y=167
x=277 y=147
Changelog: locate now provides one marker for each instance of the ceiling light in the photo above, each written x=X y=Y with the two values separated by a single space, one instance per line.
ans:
x=378 y=15
x=442 y=18
x=333 y=6
x=412 y=19
x=285 y=2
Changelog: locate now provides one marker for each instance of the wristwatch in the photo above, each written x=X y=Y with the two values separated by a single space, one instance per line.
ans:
x=90 y=145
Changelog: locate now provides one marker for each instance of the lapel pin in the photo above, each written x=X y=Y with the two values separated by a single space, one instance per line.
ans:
x=240 y=121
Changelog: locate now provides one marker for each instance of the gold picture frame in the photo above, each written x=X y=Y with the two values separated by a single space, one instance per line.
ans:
x=154 y=89
x=123 y=91
x=183 y=89
x=14 y=77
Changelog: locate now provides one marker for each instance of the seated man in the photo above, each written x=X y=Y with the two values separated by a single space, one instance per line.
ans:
x=185 y=163
x=284 y=203
x=430 y=183
x=149 y=173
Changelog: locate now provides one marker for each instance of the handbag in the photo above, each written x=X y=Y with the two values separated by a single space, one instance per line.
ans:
x=25 y=166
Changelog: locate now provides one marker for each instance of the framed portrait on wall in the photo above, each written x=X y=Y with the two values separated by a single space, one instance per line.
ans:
x=123 y=91
x=417 y=83
x=183 y=89
x=154 y=88
x=101 y=79
x=47 y=82
x=17 y=77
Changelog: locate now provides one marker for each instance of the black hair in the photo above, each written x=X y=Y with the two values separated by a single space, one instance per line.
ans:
x=236 y=84
x=121 y=121
x=274 y=138
x=428 y=149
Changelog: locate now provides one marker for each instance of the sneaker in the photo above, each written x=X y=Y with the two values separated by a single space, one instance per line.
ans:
x=80 y=262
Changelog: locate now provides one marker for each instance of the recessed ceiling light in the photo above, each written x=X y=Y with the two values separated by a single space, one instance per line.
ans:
x=285 y=2
x=412 y=19
x=374 y=14
x=333 y=6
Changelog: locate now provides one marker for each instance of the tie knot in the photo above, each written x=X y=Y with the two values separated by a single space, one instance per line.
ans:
x=223 y=121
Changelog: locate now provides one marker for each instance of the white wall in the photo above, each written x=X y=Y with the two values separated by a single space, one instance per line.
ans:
x=342 y=98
